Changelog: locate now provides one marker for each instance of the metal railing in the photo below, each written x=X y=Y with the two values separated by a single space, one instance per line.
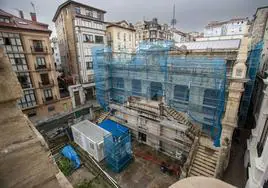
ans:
x=39 y=49
x=43 y=67
x=49 y=83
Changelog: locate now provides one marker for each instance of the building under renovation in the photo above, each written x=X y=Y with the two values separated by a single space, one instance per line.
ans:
x=182 y=100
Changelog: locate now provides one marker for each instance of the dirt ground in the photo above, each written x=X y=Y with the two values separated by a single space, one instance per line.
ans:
x=144 y=173
x=80 y=175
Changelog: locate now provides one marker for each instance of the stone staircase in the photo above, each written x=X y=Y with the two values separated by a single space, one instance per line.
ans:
x=102 y=117
x=204 y=162
x=192 y=130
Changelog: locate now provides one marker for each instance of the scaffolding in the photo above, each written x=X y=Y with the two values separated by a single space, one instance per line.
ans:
x=253 y=62
x=188 y=83
x=117 y=146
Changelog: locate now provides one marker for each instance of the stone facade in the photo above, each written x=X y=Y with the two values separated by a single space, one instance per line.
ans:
x=24 y=155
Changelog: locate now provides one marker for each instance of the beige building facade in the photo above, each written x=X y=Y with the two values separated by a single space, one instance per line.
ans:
x=79 y=28
x=121 y=37
x=27 y=45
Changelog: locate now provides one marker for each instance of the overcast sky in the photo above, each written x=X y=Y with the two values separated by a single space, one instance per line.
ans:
x=191 y=15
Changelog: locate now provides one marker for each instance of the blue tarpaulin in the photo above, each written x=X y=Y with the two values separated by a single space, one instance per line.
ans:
x=70 y=154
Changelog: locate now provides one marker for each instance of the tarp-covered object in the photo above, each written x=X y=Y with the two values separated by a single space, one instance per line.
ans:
x=69 y=153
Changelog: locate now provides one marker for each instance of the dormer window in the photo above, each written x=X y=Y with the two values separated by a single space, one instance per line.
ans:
x=77 y=10
x=5 y=20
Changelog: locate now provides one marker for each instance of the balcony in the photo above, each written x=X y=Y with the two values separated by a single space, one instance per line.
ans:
x=39 y=50
x=26 y=85
x=48 y=83
x=43 y=67
x=50 y=100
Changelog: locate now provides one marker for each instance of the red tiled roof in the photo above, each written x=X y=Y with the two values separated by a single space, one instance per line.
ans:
x=20 y=23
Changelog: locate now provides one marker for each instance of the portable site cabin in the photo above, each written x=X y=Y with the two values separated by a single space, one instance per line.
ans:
x=90 y=137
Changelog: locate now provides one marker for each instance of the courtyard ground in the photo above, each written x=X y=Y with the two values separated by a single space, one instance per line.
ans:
x=144 y=173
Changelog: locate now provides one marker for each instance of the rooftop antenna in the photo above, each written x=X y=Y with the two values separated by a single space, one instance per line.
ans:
x=173 y=21
x=33 y=6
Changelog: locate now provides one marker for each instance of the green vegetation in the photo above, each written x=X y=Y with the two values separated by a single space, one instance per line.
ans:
x=65 y=166
x=97 y=182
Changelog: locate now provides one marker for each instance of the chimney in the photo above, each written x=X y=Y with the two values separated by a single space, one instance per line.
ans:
x=33 y=16
x=21 y=14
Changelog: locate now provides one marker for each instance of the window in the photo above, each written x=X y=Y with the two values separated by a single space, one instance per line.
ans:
x=7 y=41
x=89 y=65
x=88 y=38
x=77 y=10
x=89 y=13
x=44 y=79
x=210 y=101
x=6 y=20
x=119 y=47
x=263 y=138
x=24 y=79
x=48 y=94
x=118 y=35
x=37 y=45
x=18 y=62
x=28 y=99
x=40 y=62
x=136 y=87
x=129 y=37
x=181 y=93
x=98 y=39
x=94 y=14
x=124 y=36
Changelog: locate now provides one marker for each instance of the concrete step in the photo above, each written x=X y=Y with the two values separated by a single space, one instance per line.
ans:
x=204 y=162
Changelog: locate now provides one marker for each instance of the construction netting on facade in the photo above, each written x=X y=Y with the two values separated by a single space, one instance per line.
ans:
x=253 y=63
x=188 y=83
x=117 y=145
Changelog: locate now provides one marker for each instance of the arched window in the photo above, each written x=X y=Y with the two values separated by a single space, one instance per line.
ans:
x=210 y=102
x=136 y=87
x=181 y=92
x=156 y=90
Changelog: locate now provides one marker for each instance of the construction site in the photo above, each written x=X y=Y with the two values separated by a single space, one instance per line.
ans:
x=165 y=113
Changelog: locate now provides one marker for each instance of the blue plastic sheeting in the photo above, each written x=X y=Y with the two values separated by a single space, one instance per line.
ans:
x=253 y=62
x=154 y=72
x=113 y=127
x=70 y=154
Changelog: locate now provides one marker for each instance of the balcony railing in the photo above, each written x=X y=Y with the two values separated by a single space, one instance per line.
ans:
x=43 y=67
x=39 y=49
x=49 y=100
x=49 y=83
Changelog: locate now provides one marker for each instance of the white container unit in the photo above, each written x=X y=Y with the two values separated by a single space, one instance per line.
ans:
x=90 y=137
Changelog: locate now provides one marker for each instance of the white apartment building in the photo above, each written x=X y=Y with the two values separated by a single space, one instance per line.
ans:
x=235 y=26
x=56 y=53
